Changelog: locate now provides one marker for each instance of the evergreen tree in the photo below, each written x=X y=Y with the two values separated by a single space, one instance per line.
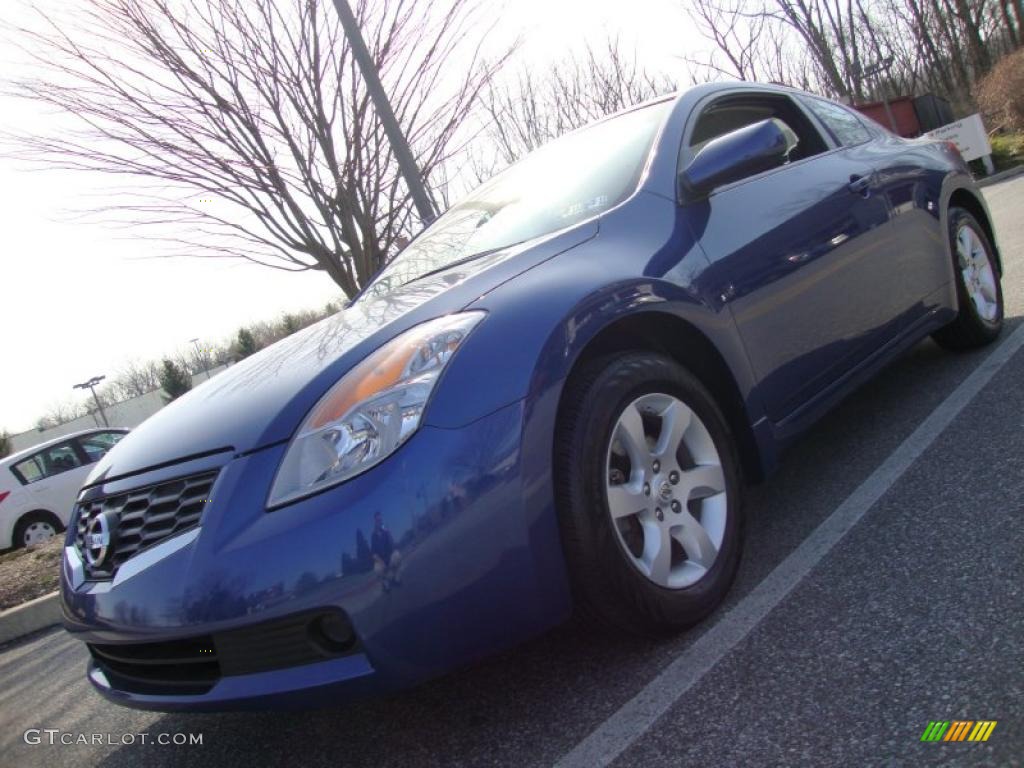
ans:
x=174 y=380
x=290 y=324
x=245 y=343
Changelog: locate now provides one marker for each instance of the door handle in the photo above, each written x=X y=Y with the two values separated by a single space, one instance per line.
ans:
x=861 y=185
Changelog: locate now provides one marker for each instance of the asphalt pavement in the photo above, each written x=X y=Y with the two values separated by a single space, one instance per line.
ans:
x=834 y=653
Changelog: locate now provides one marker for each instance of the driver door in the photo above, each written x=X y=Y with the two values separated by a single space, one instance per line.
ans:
x=797 y=252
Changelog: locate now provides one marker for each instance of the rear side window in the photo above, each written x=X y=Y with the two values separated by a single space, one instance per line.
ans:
x=844 y=124
x=52 y=461
x=96 y=446
x=29 y=470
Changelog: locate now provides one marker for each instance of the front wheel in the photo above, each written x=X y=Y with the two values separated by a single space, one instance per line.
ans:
x=978 y=289
x=649 y=496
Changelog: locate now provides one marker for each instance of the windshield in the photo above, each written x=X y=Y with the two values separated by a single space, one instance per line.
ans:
x=566 y=181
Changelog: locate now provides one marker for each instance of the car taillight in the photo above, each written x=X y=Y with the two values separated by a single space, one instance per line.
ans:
x=4 y=495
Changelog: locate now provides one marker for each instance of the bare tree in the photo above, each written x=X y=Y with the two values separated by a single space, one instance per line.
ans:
x=248 y=123
x=830 y=45
x=136 y=379
x=529 y=110
x=736 y=35
x=61 y=413
x=747 y=42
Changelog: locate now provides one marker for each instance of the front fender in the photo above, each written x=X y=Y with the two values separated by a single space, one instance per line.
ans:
x=540 y=323
x=644 y=259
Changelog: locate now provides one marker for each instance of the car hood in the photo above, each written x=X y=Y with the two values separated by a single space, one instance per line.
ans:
x=263 y=399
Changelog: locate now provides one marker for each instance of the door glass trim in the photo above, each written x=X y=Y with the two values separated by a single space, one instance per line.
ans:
x=686 y=156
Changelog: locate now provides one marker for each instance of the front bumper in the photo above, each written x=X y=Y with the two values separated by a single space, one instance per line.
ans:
x=470 y=510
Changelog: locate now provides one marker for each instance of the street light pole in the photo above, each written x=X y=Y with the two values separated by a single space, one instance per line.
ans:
x=876 y=70
x=403 y=154
x=202 y=357
x=91 y=386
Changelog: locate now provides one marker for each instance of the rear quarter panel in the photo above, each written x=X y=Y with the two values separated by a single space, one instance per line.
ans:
x=920 y=180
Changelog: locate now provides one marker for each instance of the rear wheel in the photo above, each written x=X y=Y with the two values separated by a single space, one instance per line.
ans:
x=978 y=289
x=35 y=528
x=649 y=502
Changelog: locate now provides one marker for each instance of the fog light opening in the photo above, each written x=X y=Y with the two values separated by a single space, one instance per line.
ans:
x=332 y=633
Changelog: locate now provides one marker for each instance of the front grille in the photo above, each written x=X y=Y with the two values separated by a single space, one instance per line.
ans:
x=142 y=518
x=193 y=665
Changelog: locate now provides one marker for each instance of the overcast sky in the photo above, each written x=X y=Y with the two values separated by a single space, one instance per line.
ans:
x=80 y=299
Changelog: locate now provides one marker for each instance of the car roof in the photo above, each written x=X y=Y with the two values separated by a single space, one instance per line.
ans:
x=703 y=89
x=16 y=457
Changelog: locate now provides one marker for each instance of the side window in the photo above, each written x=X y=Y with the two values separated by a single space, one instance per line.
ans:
x=97 y=445
x=843 y=123
x=730 y=113
x=52 y=461
x=29 y=470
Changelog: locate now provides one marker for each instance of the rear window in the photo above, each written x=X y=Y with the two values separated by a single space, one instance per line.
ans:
x=844 y=123
x=96 y=446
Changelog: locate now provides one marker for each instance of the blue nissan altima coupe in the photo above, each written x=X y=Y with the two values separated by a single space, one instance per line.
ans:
x=551 y=400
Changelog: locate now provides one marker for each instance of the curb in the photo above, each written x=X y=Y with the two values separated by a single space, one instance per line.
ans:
x=995 y=178
x=29 y=617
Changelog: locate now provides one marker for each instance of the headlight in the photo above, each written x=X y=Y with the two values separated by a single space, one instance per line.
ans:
x=373 y=409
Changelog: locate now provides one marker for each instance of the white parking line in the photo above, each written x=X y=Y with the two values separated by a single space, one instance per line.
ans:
x=629 y=723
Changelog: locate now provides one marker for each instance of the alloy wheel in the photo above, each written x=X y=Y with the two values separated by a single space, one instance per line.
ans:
x=665 y=488
x=978 y=276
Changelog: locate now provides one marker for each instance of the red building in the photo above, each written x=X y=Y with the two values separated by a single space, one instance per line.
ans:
x=911 y=116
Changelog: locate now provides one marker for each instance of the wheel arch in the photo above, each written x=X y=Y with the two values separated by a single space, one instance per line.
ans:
x=667 y=333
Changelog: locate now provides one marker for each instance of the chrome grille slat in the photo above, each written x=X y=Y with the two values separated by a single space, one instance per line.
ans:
x=145 y=517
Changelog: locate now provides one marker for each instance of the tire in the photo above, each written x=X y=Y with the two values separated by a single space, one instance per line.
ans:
x=615 y=578
x=977 y=290
x=33 y=525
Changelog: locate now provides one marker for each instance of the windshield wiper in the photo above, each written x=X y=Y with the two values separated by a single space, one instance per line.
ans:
x=460 y=262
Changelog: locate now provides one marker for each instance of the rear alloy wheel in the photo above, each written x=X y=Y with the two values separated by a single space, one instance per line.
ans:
x=979 y=293
x=650 y=502
x=35 y=528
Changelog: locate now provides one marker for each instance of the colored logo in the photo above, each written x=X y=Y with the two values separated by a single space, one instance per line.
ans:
x=958 y=730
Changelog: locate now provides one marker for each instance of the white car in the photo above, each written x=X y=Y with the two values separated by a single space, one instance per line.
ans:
x=38 y=486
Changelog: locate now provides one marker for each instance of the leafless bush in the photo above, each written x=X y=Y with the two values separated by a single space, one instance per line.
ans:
x=1001 y=94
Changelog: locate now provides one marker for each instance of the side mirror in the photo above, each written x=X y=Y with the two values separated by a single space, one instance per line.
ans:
x=735 y=155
